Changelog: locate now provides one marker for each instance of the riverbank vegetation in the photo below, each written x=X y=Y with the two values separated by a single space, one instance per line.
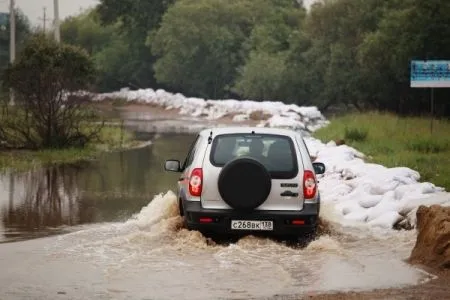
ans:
x=397 y=142
x=46 y=124
x=110 y=138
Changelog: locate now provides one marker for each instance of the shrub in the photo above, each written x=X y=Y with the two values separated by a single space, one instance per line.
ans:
x=44 y=117
x=356 y=134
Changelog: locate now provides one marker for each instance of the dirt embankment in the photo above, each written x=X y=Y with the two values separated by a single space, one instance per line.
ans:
x=432 y=247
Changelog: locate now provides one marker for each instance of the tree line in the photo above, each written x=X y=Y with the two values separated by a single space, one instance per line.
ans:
x=353 y=53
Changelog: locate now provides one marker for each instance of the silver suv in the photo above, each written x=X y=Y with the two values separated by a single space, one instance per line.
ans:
x=248 y=180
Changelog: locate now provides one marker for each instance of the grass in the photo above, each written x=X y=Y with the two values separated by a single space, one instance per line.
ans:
x=110 y=138
x=397 y=142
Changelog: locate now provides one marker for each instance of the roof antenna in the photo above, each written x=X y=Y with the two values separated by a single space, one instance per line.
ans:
x=253 y=132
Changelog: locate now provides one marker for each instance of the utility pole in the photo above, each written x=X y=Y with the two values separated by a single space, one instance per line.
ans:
x=56 y=21
x=44 y=19
x=12 y=42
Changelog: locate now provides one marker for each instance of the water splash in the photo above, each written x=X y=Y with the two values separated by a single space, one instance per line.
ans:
x=154 y=242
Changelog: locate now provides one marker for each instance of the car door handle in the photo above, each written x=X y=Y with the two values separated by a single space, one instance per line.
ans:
x=181 y=179
x=288 y=194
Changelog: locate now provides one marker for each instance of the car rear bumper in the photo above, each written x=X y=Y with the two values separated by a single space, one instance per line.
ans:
x=221 y=220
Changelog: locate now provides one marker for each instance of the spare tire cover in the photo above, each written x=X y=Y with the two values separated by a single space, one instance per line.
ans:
x=244 y=183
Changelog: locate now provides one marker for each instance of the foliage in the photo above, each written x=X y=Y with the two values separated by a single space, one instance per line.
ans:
x=201 y=44
x=356 y=134
x=413 y=30
x=135 y=19
x=107 y=47
x=115 y=35
x=133 y=14
x=264 y=74
x=339 y=53
x=398 y=142
x=44 y=116
x=86 y=31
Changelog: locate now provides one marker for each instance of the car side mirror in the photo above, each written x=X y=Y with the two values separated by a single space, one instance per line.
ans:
x=319 y=168
x=172 y=165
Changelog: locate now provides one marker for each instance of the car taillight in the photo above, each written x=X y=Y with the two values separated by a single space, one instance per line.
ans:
x=196 y=182
x=309 y=185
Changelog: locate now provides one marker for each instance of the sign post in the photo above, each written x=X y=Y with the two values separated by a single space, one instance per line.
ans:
x=430 y=74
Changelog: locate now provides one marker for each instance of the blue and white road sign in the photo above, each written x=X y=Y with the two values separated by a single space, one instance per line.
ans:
x=430 y=74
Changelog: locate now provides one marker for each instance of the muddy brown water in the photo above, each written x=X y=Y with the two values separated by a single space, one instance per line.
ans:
x=110 y=229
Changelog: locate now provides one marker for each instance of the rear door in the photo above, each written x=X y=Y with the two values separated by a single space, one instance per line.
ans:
x=279 y=155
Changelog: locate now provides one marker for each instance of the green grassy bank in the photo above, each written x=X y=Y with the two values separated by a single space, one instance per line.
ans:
x=110 y=138
x=393 y=141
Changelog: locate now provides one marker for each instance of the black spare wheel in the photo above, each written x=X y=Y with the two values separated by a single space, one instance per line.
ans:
x=244 y=183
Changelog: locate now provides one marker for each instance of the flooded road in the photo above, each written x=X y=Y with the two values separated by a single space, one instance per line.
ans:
x=150 y=256
x=123 y=239
x=112 y=188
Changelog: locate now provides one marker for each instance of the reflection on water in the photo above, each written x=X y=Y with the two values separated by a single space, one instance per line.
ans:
x=109 y=189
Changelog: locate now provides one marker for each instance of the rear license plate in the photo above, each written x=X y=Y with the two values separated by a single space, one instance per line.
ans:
x=251 y=225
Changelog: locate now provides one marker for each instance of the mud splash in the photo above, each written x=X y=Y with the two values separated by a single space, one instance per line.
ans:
x=159 y=225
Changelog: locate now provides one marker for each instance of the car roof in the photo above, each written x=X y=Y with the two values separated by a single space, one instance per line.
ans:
x=248 y=129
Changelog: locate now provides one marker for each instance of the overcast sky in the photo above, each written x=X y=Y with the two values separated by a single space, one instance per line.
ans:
x=34 y=8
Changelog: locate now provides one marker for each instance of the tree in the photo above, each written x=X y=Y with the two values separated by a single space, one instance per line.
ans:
x=135 y=19
x=42 y=76
x=200 y=44
x=351 y=53
x=263 y=76
x=330 y=73
x=141 y=15
x=86 y=31
x=108 y=47
x=413 y=29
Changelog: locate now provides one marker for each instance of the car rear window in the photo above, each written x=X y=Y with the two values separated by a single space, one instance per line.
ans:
x=275 y=152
